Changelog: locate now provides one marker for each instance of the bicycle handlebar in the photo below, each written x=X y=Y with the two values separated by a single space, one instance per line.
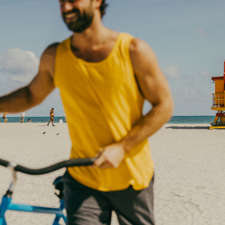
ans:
x=49 y=169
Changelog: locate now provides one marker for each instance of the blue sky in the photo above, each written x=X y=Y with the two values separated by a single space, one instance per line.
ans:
x=187 y=36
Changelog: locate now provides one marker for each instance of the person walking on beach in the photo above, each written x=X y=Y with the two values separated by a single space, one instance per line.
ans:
x=4 y=117
x=104 y=77
x=22 y=117
x=51 y=117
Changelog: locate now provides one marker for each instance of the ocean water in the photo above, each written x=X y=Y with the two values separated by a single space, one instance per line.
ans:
x=191 y=119
x=174 y=119
x=33 y=119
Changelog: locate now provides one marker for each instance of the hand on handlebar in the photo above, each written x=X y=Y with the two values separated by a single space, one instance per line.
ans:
x=110 y=156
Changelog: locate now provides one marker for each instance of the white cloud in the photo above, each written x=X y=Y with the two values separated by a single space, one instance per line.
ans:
x=201 y=31
x=205 y=75
x=171 y=71
x=19 y=65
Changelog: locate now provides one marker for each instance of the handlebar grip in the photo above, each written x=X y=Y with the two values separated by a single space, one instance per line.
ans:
x=4 y=162
x=54 y=167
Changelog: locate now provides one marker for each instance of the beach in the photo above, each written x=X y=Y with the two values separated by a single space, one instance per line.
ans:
x=189 y=171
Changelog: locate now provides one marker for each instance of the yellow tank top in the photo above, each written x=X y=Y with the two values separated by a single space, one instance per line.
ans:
x=102 y=103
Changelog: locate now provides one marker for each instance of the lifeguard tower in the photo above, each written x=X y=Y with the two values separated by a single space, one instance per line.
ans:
x=218 y=102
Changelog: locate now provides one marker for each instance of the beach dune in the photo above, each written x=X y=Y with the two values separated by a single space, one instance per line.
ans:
x=189 y=171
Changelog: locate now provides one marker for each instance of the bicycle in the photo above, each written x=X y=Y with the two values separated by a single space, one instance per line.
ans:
x=7 y=204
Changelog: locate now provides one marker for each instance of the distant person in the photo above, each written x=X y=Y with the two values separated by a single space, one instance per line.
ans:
x=52 y=114
x=29 y=120
x=60 y=120
x=4 y=117
x=22 y=117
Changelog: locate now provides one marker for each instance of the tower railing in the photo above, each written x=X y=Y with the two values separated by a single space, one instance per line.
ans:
x=218 y=99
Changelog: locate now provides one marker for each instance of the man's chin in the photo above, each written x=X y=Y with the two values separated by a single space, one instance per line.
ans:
x=78 y=26
x=77 y=29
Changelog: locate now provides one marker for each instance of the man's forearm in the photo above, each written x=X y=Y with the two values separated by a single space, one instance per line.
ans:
x=147 y=126
x=17 y=101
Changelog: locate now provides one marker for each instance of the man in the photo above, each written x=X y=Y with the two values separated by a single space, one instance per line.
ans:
x=22 y=117
x=51 y=117
x=104 y=77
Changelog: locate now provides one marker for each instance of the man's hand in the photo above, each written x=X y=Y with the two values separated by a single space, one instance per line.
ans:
x=110 y=156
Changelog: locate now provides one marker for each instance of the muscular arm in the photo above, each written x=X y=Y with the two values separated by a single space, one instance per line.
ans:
x=155 y=89
x=37 y=90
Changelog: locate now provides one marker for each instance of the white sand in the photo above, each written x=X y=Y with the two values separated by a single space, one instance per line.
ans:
x=189 y=171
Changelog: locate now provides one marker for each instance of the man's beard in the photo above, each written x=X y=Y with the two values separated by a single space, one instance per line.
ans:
x=82 y=22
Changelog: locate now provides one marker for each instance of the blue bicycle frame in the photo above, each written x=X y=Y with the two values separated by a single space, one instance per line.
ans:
x=6 y=204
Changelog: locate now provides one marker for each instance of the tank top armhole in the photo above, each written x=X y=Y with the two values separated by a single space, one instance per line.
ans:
x=59 y=53
x=128 y=40
x=55 y=66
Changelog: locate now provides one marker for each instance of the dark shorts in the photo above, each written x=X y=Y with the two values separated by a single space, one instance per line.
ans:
x=86 y=206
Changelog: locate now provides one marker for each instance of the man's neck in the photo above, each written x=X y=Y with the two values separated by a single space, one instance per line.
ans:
x=95 y=43
x=95 y=35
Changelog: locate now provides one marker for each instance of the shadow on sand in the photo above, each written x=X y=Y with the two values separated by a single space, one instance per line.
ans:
x=189 y=127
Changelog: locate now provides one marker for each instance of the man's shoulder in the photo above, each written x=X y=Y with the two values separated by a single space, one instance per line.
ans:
x=137 y=45
x=140 y=49
x=51 y=49
x=49 y=54
x=47 y=61
x=134 y=44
